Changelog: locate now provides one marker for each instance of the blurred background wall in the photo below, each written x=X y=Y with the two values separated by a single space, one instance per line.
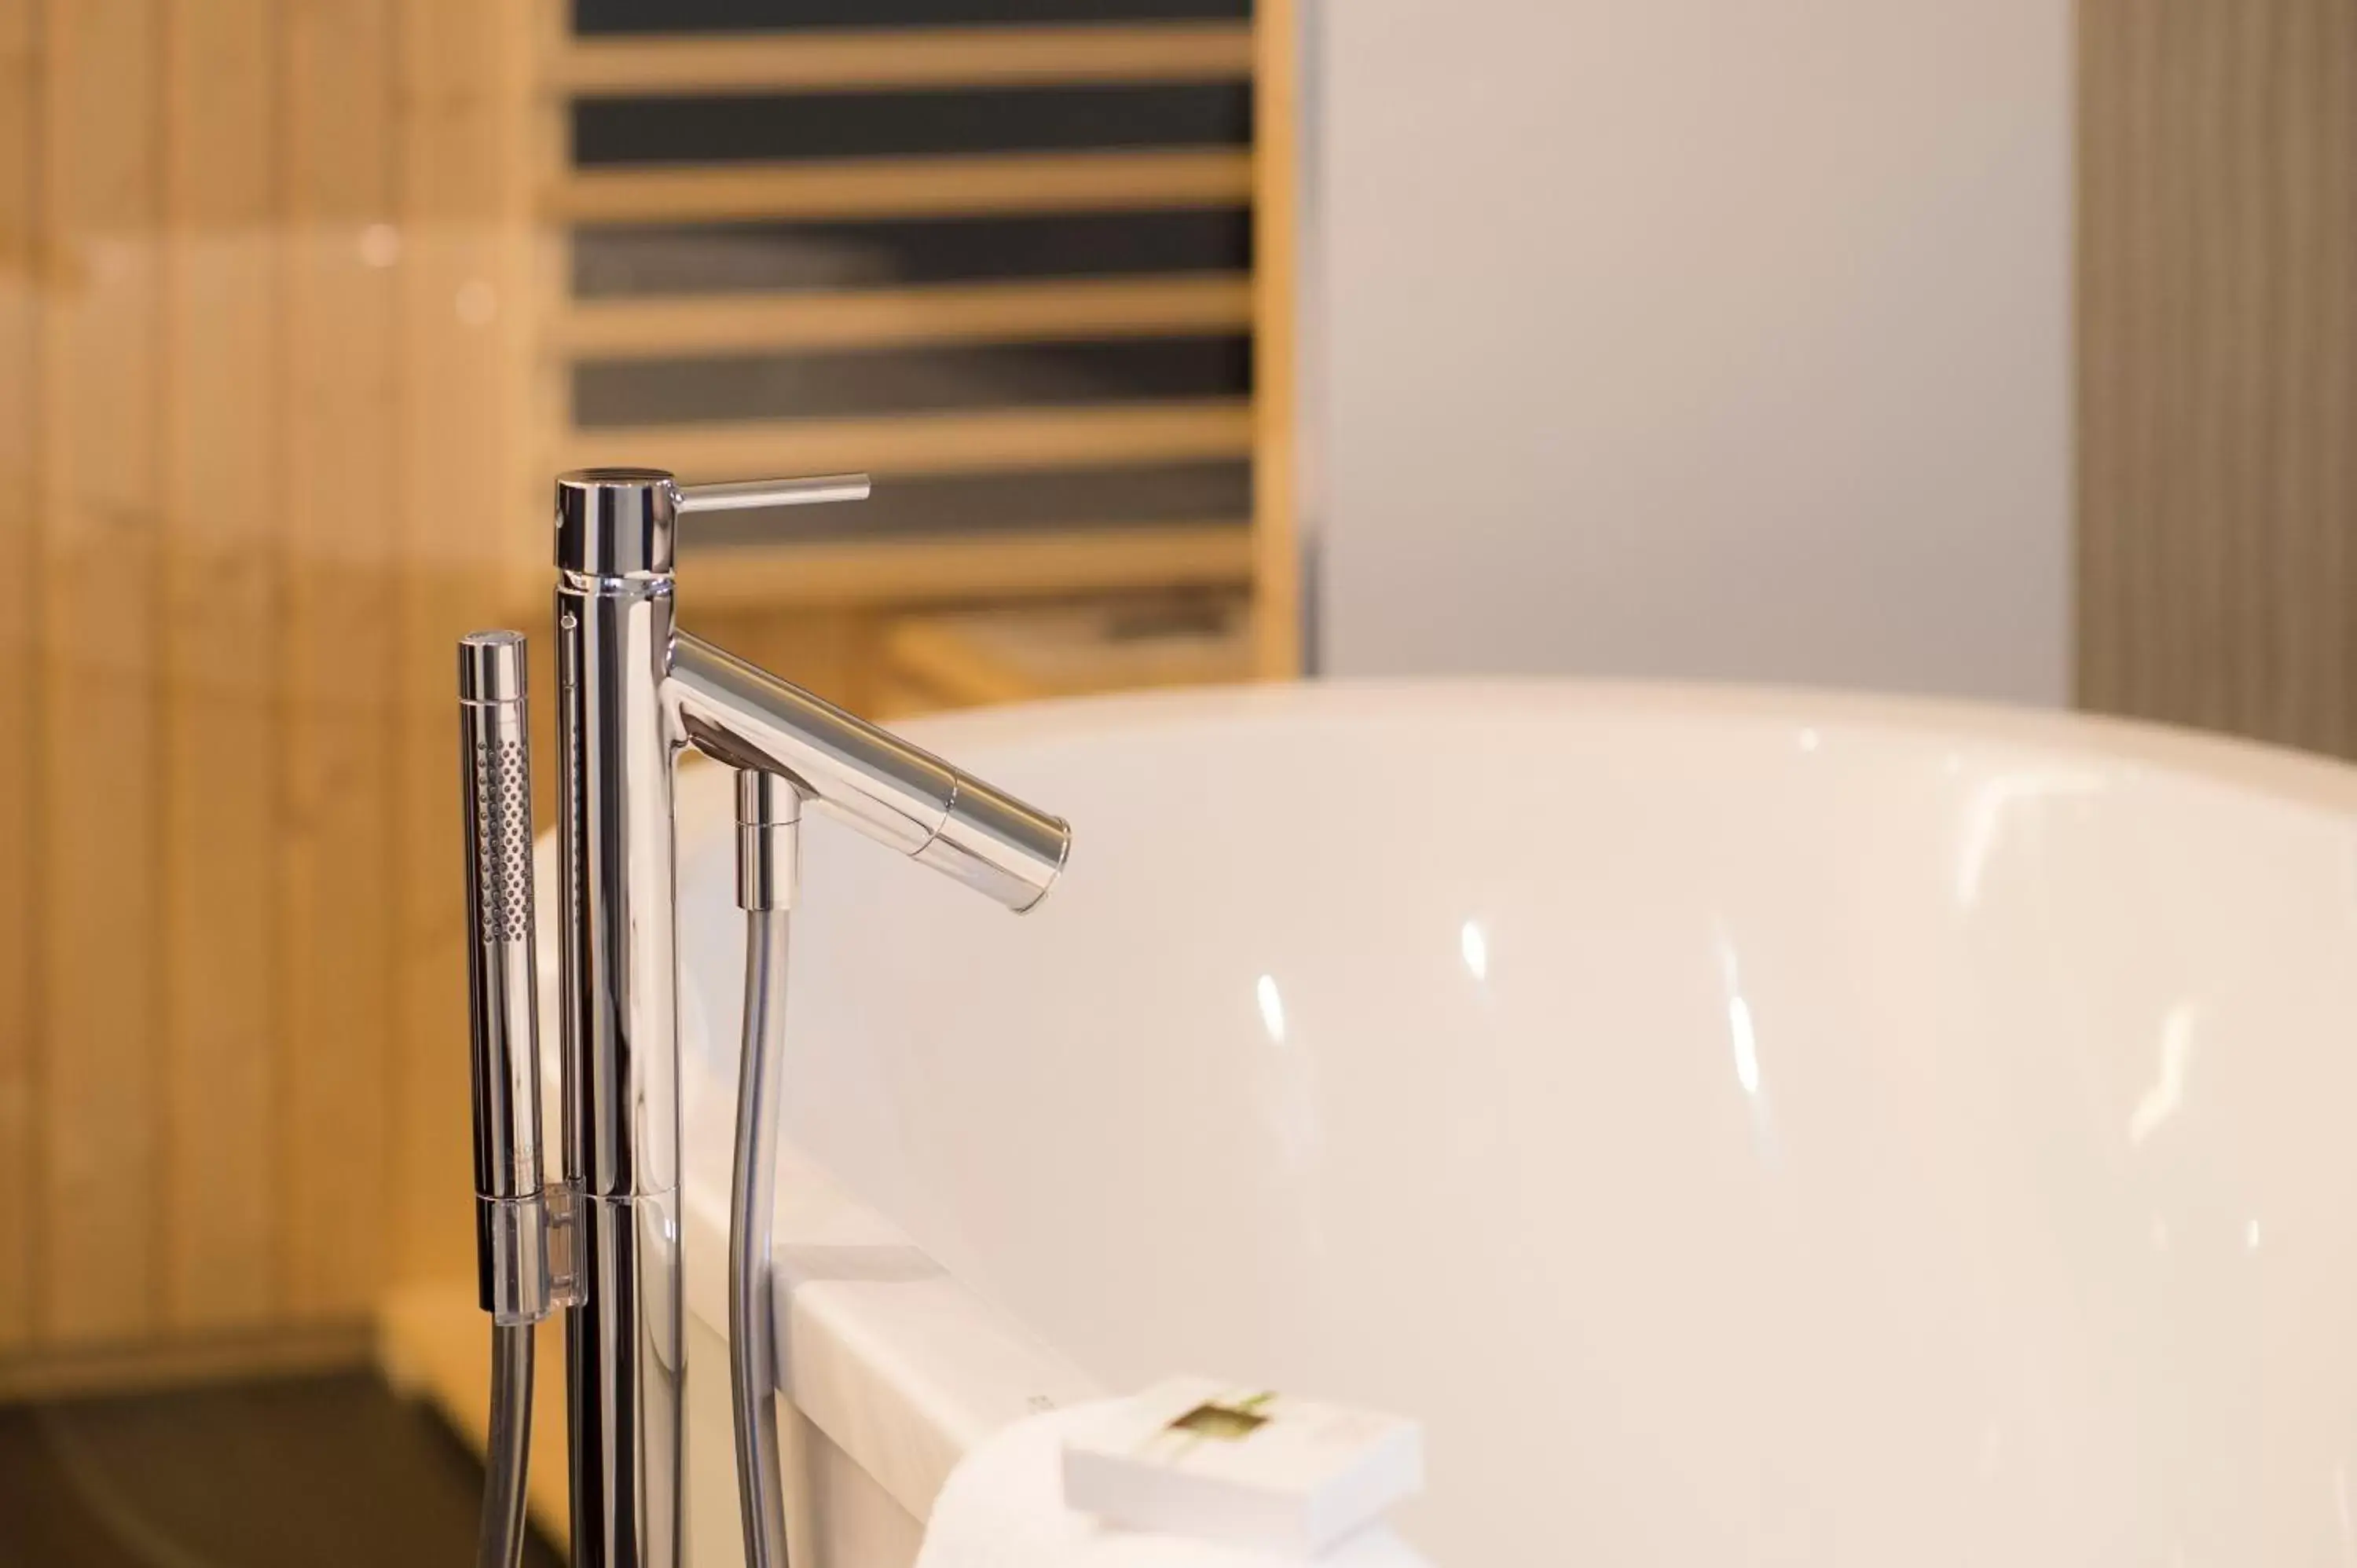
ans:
x=1693 y=339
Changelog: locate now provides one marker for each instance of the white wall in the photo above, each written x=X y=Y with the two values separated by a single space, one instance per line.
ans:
x=1721 y=339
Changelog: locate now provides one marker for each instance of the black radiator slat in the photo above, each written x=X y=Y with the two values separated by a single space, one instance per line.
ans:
x=1142 y=495
x=769 y=128
x=610 y=16
x=607 y=393
x=620 y=260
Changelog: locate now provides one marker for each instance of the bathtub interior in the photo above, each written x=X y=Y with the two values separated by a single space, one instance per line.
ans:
x=1741 y=1133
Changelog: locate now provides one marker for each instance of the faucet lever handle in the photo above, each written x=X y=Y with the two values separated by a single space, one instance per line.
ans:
x=749 y=495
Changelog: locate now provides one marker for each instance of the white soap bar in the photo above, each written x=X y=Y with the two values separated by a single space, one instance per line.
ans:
x=1214 y=1462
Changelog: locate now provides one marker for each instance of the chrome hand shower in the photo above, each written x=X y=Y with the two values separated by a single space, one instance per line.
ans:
x=632 y=693
x=521 y=1230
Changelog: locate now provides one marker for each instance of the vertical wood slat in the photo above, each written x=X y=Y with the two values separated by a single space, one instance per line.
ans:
x=2217 y=348
x=2326 y=390
x=99 y=919
x=336 y=886
x=466 y=309
x=19 y=114
x=2300 y=707
x=222 y=479
x=2319 y=391
x=2097 y=664
x=1276 y=195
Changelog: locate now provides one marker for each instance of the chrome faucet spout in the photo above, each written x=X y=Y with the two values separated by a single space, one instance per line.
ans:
x=896 y=793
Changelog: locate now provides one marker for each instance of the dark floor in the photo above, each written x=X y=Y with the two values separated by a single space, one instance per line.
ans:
x=330 y=1470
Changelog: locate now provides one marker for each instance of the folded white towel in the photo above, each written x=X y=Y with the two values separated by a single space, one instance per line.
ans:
x=1003 y=1507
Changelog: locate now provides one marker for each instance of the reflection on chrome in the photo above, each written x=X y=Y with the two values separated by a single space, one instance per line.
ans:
x=1984 y=819
x=1272 y=1009
x=1475 y=945
x=2160 y=1102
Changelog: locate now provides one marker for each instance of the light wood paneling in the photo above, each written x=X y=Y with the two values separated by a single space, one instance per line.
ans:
x=902 y=57
x=999 y=439
x=20 y=108
x=101 y=1110
x=1061 y=309
x=280 y=386
x=340 y=479
x=819 y=191
x=222 y=466
x=2217 y=350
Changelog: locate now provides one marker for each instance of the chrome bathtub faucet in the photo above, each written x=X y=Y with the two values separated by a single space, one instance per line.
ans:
x=633 y=692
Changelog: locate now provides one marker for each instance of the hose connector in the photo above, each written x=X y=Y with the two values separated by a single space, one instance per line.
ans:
x=769 y=830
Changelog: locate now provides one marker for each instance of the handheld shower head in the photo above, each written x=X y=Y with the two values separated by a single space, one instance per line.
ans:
x=495 y=780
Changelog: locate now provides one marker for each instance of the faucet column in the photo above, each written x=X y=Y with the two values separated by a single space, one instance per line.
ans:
x=625 y=1358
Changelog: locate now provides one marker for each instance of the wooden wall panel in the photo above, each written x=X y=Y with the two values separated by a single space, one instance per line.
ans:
x=277 y=408
x=2217 y=352
x=264 y=346
x=100 y=1108
x=466 y=308
x=20 y=107
x=340 y=478
x=222 y=468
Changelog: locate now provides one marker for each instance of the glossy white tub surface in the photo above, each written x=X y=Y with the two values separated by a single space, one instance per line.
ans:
x=1765 y=1128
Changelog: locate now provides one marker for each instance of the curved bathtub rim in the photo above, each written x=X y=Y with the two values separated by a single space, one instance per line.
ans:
x=2304 y=778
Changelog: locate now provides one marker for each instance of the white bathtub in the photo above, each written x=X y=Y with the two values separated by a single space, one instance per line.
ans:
x=1776 y=1129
